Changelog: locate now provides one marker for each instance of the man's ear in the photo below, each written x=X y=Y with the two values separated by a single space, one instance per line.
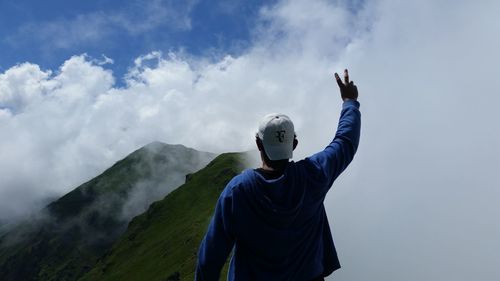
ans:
x=260 y=146
x=295 y=143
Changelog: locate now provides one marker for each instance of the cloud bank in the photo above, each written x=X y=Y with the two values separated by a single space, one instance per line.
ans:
x=419 y=202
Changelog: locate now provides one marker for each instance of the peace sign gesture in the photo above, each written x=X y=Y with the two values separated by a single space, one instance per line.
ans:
x=347 y=89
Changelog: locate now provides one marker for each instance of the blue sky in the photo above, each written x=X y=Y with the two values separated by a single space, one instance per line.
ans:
x=49 y=32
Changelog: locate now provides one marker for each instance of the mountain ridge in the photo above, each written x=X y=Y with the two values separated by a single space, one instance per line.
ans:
x=161 y=244
x=63 y=240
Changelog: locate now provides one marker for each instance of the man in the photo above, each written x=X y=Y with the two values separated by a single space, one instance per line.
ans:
x=274 y=216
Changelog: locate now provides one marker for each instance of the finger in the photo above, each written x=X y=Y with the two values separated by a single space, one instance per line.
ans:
x=346 y=77
x=339 y=82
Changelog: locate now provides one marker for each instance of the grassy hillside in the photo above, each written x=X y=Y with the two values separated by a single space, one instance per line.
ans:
x=162 y=243
x=64 y=241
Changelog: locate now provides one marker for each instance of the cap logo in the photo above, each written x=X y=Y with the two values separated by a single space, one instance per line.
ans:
x=280 y=135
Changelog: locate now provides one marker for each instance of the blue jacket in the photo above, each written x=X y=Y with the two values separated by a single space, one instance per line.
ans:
x=279 y=228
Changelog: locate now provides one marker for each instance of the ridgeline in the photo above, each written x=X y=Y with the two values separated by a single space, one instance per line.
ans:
x=78 y=235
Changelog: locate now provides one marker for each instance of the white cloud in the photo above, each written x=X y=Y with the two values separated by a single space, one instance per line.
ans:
x=419 y=201
x=103 y=61
x=21 y=85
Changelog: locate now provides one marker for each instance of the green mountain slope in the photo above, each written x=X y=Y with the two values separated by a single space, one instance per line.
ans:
x=64 y=240
x=162 y=243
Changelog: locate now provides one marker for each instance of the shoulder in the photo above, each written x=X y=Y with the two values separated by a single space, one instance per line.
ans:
x=310 y=168
x=308 y=164
x=238 y=183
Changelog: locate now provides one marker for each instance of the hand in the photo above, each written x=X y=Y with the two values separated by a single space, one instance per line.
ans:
x=347 y=89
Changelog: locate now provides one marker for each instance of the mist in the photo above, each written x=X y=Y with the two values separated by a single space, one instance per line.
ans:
x=98 y=211
x=166 y=169
x=419 y=201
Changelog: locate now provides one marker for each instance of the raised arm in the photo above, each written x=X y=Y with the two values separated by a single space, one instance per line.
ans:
x=340 y=152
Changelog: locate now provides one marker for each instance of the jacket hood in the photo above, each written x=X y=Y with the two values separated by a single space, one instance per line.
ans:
x=277 y=201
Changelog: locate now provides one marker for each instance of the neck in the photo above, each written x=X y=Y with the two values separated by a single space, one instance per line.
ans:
x=275 y=167
x=269 y=165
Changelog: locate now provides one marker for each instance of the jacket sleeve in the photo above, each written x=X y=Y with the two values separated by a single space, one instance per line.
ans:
x=218 y=242
x=339 y=153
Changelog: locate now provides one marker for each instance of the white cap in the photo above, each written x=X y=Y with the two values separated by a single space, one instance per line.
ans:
x=277 y=133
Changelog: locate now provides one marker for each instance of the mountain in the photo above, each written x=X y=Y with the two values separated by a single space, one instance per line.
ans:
x=162 y=243
x=3 y=227
x=64 y=240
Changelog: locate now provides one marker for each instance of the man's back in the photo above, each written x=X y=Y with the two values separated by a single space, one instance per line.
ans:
x=281 y=226
x=278 y=225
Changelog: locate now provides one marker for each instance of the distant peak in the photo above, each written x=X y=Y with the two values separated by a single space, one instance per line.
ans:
x=155 y=145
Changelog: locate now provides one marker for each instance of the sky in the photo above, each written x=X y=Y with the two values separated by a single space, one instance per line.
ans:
x=83 y=85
